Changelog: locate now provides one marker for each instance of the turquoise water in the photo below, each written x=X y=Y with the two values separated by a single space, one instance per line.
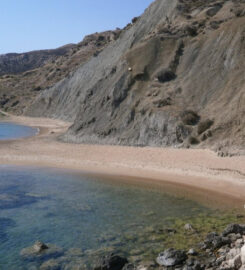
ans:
x=13 y=131
x=82 y=215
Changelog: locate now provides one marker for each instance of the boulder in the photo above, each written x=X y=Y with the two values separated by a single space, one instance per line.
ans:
x=192 y=252
x=214 y=241
x=234 y=228
x=111 y=262
x=171 y=257
x=232 y=264
x=41 y=251
x=239 y=243
x=243 y=255
x=189 y=227
x=50 y=265
x=39 y=246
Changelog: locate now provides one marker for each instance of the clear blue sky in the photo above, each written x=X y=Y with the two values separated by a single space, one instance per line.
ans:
x=27 y=25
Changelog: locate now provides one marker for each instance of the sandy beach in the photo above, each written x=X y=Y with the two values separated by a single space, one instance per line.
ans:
x=197 y=169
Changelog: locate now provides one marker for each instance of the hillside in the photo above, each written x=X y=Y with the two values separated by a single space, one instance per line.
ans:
x=24 y=76
x=14 y=63
x=175 y=78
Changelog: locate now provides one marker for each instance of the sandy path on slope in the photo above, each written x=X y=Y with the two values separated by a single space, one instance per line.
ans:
x=195 y=169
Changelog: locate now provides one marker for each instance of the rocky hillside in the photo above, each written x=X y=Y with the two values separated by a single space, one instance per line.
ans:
x=23 y=76
x=13 y=63
x=175 y=78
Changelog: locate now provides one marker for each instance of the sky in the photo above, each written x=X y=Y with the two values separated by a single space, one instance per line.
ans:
x=27 y=25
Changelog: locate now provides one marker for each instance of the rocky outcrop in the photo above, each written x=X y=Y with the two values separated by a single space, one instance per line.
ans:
x=218 y=251
x=179 y=56
x=171 y=257
x=41 y=251
x=224 y=251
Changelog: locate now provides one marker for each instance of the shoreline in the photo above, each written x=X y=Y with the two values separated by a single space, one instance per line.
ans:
x=199 y=173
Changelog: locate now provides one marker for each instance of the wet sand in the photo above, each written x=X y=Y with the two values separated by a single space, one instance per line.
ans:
x=188 y=169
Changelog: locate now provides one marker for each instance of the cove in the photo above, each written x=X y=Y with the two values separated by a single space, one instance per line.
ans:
x=85 y=217
x=10 y=131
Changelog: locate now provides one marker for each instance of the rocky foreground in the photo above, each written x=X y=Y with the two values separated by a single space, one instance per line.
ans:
x=225 y=251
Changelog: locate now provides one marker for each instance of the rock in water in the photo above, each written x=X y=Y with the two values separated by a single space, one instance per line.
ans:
x=39 y=246
x=111 y=262
x=111 y=98
x=192 y=252
x=171 y=257
x=40 y=251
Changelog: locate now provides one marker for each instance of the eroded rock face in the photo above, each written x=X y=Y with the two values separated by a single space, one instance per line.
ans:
x=227 y=255
x=178 y=56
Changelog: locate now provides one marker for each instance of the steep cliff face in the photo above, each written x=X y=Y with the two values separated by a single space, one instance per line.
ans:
x=175 y=78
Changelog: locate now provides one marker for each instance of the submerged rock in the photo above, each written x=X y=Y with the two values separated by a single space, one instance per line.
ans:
x=39 y=246
x=111 y=262
x=192 y=252
x=50 y=265
x=171 y=257
x=41 y=251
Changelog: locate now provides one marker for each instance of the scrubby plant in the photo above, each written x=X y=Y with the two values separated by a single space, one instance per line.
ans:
x=165 y=75
x=190 y=117
x=193 y=140
x=204 y=125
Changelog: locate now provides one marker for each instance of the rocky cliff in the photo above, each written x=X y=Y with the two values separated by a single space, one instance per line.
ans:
x=174 y=78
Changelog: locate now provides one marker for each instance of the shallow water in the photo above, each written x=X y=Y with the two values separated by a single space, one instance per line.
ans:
x=9 y=131
x=77 y=211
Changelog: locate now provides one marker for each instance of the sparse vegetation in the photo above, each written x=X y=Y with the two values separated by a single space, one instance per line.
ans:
x=190 y=117
x=193 y=140
x=204 y=125
x=165 y=75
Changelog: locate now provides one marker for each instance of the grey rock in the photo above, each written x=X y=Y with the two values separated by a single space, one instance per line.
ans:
x=192 y=252
x=130 y=266
x=189 y=227
x=171 y=257
x=39 y=246
x=215 y=241
x=41 y=251
x=111 y=262
x=234 y=228
x=50 y=265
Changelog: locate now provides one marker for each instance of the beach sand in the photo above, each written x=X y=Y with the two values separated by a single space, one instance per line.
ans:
x=188 y=169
